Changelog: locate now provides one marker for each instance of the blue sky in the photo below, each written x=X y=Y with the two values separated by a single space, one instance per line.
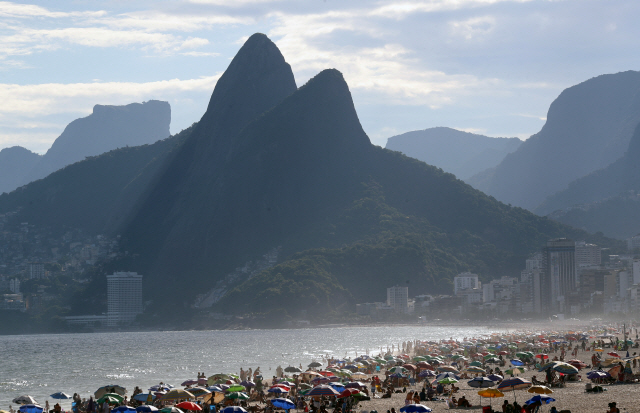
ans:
x=486 y=66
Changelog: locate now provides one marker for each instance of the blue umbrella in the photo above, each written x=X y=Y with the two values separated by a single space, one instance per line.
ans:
x=216 y=389
x=282 y=403
x=279 y=390
x=30 y=408
x=540 y=398
x=142 y=397
x=123 y=409
x=233 y=409
x=60 y=396
x=337 y=386
x=146 y=409
x=415 y=408
x=447 y=374
x=517 y=362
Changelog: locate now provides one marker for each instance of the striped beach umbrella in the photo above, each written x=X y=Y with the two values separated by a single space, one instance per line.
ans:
x=323 y=390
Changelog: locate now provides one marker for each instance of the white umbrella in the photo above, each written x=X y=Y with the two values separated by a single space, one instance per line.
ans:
x=25 y=400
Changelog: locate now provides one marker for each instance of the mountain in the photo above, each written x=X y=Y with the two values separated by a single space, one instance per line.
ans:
x=588 y=127
x=605 y=200
x=95 y=194
x=463 y=154
x=107 y=128
x=15 y=163
x=293 y=171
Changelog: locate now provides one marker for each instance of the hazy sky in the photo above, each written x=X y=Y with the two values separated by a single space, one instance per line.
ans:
x=488 y=66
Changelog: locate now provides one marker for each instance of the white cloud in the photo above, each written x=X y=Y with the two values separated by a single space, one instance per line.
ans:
x=15 y=10
x=400 y=10
x=33 y=101
x=160 y=21
x=473 y=28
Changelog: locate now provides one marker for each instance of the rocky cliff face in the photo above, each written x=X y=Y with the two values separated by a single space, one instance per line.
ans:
x=588 y=127
x=107 y=128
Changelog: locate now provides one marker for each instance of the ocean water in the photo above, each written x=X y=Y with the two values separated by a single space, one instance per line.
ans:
x=40 y=365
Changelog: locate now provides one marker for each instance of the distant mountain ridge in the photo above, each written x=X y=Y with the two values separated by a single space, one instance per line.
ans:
x=14 y=164
x=461 y=153
x=274 y=167
x=588 y=127
x=107 y=128
x=604 y=200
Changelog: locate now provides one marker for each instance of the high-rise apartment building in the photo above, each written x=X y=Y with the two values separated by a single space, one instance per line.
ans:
x=588 y=254
x=398 y=298
x=560 y=273
x=124 y=298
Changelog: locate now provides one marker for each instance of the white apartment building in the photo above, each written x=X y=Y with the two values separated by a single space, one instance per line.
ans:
x=465 y=281
x=124 y=298
x=398 y=299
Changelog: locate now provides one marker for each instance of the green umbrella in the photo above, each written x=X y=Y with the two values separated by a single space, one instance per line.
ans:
x=419 y=358
x=236 y=388
x=488 y=356
x=237 y=396
x=110 y=399
x=448 y=380
x=475 y=363
x=397 y=369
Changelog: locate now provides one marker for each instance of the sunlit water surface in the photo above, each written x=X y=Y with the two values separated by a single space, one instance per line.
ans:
x=40 y=365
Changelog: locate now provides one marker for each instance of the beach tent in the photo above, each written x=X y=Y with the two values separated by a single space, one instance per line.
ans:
x=30 y=408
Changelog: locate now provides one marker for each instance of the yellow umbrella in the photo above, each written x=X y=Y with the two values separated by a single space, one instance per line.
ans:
x=490 y=394
x=177 y=394
x=598 y=349
x=540 y=390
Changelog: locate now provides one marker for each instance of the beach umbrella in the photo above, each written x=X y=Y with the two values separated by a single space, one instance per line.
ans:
x=216 y=389
x=447 y=374
x=415 y=408
x=426 y=373
x=123 y=409
x=540 y=390
x=565 y=368
x=30 y=408
x=292 y=369
x=146 y=409
x=60 y=396
x=314 y=364
x=516 y=362
x=323 y=390
x=177 y=394
x=447 y=369
x=282 y=403
x=233 y=409
x=189 y=406
x=189 y=382
x=490 y=394
x=514 y=384
x=597 y=374
x=540 y=398
x=409 y=367
x=542 y=356
x=239 y=396
x=199 y=391
x=142 y=397
x=348 y=392
x=492 y=360
x=476 y=363
x=447 y=380
x=279 y=390
x=110 y=389
x=171 y=409
x=397 y=369
x=515 y=371
x=547 y=366
x=247 y=384
x=474 y=370
x=236 y=387
x=481 y=382
x=495 y=377
x=25 y=400
x=111 y=398
x=355 y=385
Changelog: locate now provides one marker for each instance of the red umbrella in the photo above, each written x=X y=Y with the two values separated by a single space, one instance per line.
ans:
x=502 y=353
x=542 y=356
x=409 y=366
x=425 y=365
x=326 y=373
x=614 y=354
x=348 y=392
x=188 y=406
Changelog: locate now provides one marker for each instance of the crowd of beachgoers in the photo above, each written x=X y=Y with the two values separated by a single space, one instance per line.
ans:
x=592 y=369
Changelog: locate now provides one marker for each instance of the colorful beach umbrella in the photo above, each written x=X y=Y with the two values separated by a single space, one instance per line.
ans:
x=540 y=398
x=540 y=390
x=146 y=409
x=282 y=403
x=238 y=396
x=26 y=399
x=323 y=390
x=177 y=394
x=189 y=406
x=415 y=408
